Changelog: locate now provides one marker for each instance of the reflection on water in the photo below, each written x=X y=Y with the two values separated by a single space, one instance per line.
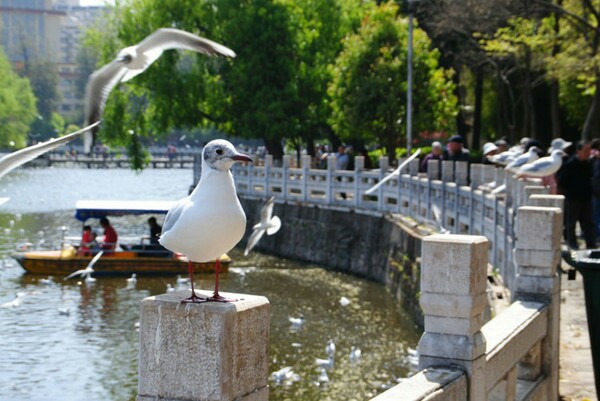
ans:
x=73 y=341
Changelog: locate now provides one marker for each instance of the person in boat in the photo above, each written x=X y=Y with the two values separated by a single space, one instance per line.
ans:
x=155 y=230
x=109 y=242
x=87 y=239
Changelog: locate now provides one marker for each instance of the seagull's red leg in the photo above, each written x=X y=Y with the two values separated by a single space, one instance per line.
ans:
x=194 y=298
x=216 y=297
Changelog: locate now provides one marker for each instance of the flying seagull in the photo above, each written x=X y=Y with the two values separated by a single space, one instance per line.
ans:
x=13 y=160
x=267 y=224
x=89 y=269
x=393 y=173
x=542 y=167
x=210 y=221
x=134 y=60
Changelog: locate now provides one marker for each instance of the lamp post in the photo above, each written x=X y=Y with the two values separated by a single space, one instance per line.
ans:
x=409 y=77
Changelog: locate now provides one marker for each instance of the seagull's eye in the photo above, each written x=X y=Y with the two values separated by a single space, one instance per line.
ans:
x=219 y=151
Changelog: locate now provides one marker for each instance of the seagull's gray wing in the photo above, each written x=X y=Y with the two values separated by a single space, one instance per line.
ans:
x=170 y=38
x=97 y=90
x=172 y=216
x=393 y=173
x=13 y=160
x=540 y=168
x=267 y=210
x=253 y=240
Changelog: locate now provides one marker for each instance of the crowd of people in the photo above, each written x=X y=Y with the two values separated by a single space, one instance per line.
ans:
x=578 y=178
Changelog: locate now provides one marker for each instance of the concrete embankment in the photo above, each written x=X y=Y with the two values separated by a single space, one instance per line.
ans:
x=380 y=248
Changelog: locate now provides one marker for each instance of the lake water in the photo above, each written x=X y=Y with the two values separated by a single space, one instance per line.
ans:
x=70 y=341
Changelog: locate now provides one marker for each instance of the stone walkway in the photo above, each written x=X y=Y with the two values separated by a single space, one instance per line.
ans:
x=576 y=375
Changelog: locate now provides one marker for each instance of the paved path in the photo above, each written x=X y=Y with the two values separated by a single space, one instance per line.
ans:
x=576 y=375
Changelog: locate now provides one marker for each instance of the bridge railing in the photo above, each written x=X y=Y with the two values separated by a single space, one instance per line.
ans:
x=463 y=207
x=512 y=357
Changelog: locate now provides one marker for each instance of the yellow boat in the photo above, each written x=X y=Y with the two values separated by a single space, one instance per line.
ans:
x=143 y=260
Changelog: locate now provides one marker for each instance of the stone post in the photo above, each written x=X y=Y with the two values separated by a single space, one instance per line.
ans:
x=433 y=169
x=537 y=252
x=531 y=190
x=461 y=173
x=204 y=352
x=447 y=171
x=453 y=299
x=330 y=177
x=306 y=164
x=548 y=201
x=477 y=175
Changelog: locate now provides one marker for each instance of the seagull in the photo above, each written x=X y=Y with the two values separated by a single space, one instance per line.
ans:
x=13 y=160
x=134 y=60
x=330 y=348
x=282 y=374
x=505 y=157
x=344 y=301
x=323 y=378
x=393 y=173
x=267 y=224
x=531 y=155
x=297 y=321
x=210 y=221
x=170 y=288
x=437 y=216
x=132 y=281
x=89 y=269
x=542 y=167
x=355 y=354
x=325 y=363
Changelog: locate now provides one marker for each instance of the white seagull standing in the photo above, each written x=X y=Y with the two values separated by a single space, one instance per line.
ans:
x=531 y=155
x=13 y=160
x=543 y=167
x=134 y=60
x=210 y=221
x=267 y=224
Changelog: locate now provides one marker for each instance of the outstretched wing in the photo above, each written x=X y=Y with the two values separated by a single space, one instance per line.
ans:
x=15 y=159
x=171 y=38
x=253 y=240
x=267 y=210
x=393 y=173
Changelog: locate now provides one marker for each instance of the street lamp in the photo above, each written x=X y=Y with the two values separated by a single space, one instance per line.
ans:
x=409 y=77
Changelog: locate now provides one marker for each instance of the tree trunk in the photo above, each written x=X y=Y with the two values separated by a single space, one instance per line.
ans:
x=590 y=119
x=274 y=148
x=476 y=139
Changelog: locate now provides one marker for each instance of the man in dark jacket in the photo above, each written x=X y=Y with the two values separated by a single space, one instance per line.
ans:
x=575 y=178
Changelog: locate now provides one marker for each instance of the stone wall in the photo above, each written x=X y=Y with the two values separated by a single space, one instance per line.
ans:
x=380 y=248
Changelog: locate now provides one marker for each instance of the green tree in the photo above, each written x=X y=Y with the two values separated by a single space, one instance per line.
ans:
x=17 y=106
x=369 y=83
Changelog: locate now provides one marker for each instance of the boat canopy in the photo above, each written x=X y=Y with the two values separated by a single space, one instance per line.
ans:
x=88 y=209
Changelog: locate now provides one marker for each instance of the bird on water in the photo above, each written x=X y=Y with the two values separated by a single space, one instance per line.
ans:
x=210 y=221
x=134 y=60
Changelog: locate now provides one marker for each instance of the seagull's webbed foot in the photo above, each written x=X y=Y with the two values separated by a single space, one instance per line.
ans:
x=218 y=298
x=194 y=299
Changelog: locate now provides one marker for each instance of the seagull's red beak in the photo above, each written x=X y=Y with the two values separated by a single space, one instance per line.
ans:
x=240 y=157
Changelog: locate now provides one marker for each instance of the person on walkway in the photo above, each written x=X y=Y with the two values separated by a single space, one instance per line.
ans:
x=435 y=154
x=109 y=242
x=341 y=158
x=575 y=179
x=456 y=150
x=489 y=150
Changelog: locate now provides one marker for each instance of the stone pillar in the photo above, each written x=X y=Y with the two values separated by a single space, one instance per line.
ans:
x=453 y=299
x=537 y=252
x=204 y=352
x=461 y=173
x=268 y=160
x=384 y=164
x=534 y=190
x=447 y=171
x=548 y=201
x=433 y=169
x=477 y=175
x=359 y=163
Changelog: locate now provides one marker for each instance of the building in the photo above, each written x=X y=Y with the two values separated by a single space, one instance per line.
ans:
x=48 y=30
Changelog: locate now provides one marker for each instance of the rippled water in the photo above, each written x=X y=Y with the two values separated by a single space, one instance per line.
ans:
x=67 y=341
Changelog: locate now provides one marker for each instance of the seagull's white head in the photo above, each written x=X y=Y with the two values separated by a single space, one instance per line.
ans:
x=557 y=153
x=127 y=55
x=221 y=155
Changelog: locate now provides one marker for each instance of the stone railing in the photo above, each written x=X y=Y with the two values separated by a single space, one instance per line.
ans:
x=450 y=187
x=515 y=355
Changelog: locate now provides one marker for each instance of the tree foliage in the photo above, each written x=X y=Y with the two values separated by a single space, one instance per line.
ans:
x=369 y=82
x=17 y=106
